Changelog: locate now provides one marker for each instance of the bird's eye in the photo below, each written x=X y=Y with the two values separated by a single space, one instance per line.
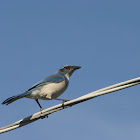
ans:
x=66 y=68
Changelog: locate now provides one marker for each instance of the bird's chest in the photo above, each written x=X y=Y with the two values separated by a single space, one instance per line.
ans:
x=53 y=90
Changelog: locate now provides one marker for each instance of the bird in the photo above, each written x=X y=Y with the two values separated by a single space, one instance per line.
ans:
x=50 y=88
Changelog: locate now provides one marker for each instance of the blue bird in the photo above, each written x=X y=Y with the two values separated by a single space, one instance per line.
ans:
x=49 y=88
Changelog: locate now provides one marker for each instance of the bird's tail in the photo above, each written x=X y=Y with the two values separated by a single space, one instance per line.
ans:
x=14 y=98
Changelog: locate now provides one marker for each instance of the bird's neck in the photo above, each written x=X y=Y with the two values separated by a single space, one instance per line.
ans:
x=65 y=75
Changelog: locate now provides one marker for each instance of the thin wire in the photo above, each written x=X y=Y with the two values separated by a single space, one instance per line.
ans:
x=48 y=111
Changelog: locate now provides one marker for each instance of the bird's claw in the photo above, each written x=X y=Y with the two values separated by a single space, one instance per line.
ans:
x=64 y=102
x=43 y=117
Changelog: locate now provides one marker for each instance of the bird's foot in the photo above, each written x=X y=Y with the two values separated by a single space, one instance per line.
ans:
x=42 y=117
x=41 y=109
x=64 y=102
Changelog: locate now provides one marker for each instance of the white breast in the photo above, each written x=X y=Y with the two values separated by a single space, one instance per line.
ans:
x=49 y=91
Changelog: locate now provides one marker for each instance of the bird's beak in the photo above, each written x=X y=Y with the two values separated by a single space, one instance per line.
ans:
x=77 y=67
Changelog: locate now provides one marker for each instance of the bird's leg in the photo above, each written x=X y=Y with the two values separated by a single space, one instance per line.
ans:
x=41 y=109
x=63 y=101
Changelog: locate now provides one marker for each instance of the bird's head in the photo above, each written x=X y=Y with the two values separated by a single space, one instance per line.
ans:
x=67 y=70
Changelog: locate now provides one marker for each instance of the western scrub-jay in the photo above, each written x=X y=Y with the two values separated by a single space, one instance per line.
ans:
x=49 y=88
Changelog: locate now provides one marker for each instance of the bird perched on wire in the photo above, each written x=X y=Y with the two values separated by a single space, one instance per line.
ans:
x=49 y=88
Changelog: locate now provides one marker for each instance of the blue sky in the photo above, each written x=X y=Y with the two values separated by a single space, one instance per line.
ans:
x=38 y=37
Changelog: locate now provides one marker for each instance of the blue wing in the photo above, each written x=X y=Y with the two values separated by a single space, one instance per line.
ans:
x=56 y=78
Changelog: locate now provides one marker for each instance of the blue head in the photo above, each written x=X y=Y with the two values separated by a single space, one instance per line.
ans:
x=68 y=70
